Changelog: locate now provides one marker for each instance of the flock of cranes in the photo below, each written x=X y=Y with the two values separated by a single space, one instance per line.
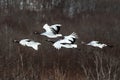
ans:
x=53 y=32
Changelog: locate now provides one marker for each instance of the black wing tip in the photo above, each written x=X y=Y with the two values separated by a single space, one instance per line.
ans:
x=54 y=31
x=72 y=41
x=58 y=29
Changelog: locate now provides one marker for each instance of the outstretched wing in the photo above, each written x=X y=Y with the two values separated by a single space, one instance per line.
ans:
x=93 y=43
x=33 y=44
x=72 y=40
x=24 y=41
x=47 y=28
x=55 y=28
x=57 y=45
x=72 y=37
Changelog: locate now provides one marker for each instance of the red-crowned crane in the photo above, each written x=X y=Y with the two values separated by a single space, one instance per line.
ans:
x=28 y=43
x=97 y=44
x=66 y=42
x=51 y=31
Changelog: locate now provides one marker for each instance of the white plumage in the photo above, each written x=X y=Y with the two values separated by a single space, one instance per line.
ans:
x=72 y=37
x=51 y=31
x=96 y=44
x=29 y=43
x=67 y=42
x=59 y=45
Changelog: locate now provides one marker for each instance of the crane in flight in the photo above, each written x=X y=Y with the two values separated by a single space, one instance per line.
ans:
x=28 y=43
x=66 y=42
x=51 y=31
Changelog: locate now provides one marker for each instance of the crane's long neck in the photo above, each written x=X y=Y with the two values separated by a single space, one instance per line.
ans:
x=82 y=42
x=111 y=46
x=50 y=41
x=37 y=33
x=16 y=41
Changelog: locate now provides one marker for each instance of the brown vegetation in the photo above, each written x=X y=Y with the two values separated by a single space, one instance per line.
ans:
x=91 y=20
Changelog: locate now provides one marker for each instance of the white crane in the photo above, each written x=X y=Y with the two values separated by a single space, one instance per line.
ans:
x=51 y=31
x=96 y=44
x=28 y=43
x=67 y=42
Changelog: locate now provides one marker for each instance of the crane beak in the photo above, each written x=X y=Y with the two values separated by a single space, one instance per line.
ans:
x=35 y=32
x=48 y=40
